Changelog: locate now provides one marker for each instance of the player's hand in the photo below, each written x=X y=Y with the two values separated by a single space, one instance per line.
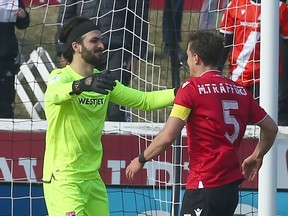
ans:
x=251 y=166
x=134 y=167
x=20 y=12
x=100 y=83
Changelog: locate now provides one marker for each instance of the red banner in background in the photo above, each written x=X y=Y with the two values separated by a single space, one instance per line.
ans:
x=189 y=5
x=21 y=159
x=41 y=2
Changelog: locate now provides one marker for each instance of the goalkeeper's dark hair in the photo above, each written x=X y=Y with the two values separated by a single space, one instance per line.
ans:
x=65 y=31
x=67 y=27
x=72 y=31
x=207 y=45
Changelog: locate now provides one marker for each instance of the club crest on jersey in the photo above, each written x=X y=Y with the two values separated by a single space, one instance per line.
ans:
x=54 y=79
x=198 y=211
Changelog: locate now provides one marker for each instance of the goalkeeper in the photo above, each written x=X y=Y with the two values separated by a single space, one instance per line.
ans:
x=76 y=103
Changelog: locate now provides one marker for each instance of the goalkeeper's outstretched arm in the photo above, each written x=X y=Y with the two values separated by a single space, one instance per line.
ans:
x=130 y=97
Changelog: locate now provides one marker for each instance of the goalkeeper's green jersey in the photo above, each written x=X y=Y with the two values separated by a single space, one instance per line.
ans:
x=75 y=123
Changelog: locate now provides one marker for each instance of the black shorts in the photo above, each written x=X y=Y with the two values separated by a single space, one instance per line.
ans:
x=218 y=201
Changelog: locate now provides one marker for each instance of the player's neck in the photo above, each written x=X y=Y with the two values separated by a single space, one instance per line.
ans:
x=205 y=69
x=81 y=67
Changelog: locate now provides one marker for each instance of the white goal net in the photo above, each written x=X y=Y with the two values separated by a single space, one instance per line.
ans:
x=135 y=32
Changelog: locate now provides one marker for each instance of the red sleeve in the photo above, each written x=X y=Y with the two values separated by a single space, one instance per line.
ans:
x=228 y=19
x=257 y=113
x=186 y=95
x=284 y=20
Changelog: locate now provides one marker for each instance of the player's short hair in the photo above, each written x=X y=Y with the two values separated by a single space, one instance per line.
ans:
x=207 y=45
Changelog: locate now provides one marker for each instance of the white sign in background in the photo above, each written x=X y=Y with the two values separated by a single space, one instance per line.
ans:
x=282 y=164
x=133 y=128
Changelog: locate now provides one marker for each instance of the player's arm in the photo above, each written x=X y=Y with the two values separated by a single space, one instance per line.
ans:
x=169 y=133
x=130 y=97
x=268 y=132
x=163 y=140
x=60 y=88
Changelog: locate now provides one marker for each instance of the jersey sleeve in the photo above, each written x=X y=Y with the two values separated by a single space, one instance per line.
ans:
x=283 y=20
x=58 y=87
x=129 y=97
x=257 y=113
x=186 y=95
x=180 y=112
x=228 y=20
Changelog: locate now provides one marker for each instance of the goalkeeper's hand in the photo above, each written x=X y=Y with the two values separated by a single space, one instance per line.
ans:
x=100 y=83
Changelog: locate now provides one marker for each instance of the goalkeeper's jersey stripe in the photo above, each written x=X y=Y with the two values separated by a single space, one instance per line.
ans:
x=75 y=123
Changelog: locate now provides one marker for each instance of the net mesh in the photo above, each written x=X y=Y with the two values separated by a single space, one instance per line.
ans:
x=158 y=190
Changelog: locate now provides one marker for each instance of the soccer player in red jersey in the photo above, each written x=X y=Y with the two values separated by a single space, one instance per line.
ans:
x=216 y=111
x=241 y=27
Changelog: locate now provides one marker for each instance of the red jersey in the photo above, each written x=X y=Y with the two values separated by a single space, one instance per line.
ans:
x=242 y=19
x=220 y=111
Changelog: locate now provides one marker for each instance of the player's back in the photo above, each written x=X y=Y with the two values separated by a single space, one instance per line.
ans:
x=221 y=107
x=220 y=111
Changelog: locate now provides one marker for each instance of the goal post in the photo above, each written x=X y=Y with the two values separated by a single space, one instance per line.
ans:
x=269 y=77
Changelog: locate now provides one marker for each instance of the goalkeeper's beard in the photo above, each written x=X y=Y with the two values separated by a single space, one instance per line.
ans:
x=90 y=57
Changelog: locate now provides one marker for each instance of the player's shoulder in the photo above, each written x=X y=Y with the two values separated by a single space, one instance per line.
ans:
x=60 y=74
x=55 y=72
x=190 y=84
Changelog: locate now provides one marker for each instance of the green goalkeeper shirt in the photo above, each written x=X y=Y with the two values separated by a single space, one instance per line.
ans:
x=75 y=123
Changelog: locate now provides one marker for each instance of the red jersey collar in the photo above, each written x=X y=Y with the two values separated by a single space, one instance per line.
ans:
x=210 y=72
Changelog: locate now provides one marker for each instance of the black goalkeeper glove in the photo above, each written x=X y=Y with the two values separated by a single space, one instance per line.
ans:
x=100 y=83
